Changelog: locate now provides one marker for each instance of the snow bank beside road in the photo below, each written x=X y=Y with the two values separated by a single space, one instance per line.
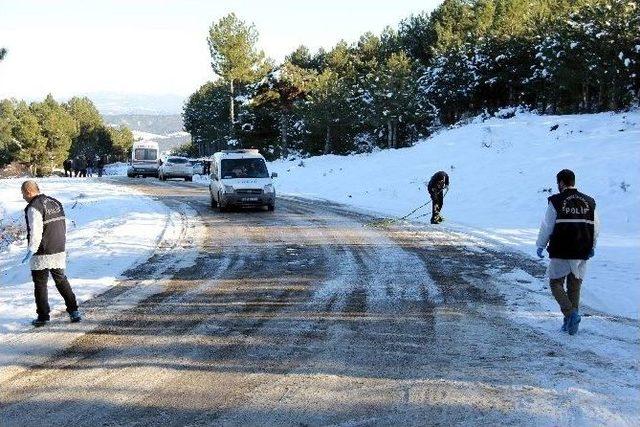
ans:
x=117 y=169
x=110 y=228
x=501 y=171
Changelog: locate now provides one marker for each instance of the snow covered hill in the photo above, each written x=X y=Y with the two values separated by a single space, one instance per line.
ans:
x=502 y=171
x=115 y=103
x=165 y=129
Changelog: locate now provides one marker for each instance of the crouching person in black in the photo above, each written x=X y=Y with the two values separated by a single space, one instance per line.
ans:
x=46 y=236
x=436 y=187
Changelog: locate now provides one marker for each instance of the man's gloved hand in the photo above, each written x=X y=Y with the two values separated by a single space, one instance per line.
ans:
x=539 y=252
x=27 y=257
x=592 y=253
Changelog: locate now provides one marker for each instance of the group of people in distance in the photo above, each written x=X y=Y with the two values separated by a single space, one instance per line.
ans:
x=84 y=165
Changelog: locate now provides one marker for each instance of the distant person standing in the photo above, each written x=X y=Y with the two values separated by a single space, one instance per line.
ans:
x=74 y=166
x=82 y=165
x=570 y=229
x=99 y=165
x=46 y=237
x=90 y=166
x=104 y=160
x=67 y=165
x=77 y=167
x=437 y=185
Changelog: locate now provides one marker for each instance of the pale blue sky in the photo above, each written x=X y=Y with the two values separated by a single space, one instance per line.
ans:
x=159 y=47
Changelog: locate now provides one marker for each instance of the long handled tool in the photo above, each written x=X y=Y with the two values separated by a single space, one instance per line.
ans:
x=388 y=221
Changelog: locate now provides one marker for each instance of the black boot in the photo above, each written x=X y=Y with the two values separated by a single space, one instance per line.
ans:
x=40 y=321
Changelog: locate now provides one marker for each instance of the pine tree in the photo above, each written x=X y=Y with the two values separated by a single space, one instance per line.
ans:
x=449 y=83
x=90 y=139
x=234 y=56
x=390 y=99
x=327 y=114
x=589 y=62
x=342 y=60
x=303 y=58
x=465 y=57
x=281 y=89
x=120 y=141
x=205 y=117
x=58 y=128
x=28 y=133
x=188 y=149
x=8 y=144
x=416 y=36
x=451 y=24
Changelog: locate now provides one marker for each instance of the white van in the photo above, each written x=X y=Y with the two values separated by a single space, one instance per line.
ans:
x=241 y=178
x=144 y=159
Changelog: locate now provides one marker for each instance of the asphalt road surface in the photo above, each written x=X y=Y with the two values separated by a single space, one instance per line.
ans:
x=306 y=316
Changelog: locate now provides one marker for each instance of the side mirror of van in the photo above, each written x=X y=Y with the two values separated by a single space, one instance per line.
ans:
x=274 y=175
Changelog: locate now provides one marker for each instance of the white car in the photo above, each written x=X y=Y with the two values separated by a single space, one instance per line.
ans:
x=176 y=167
x=241 y=178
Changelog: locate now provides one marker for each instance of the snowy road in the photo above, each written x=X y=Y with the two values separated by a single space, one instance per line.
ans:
x=305 y=316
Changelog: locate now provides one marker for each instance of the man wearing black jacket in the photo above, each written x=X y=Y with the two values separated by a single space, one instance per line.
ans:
x=100 y=162
x=436 y=187
x=68 y=164
x=46 y=237
x=569 y=231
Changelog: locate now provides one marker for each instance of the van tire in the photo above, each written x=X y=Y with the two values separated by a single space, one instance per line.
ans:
x=271 y=207
x=188 y=178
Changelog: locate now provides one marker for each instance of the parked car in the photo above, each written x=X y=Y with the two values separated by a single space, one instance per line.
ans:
x=241 y=178
x=198 y=166
x=176 y=167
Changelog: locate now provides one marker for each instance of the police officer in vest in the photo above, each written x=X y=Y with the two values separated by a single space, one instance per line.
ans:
x=46 y=236
x=570 y=229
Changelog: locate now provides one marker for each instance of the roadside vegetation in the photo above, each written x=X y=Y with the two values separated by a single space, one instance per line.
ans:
x=388 y=90
x=41 y=135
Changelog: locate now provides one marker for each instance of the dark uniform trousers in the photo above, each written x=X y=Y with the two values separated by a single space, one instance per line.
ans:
x=40 y=280
x=437 y=199
x=569 y=299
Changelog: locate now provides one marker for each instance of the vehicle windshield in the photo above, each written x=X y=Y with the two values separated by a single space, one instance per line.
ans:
x=145 y=154
x=177 y=160
x=244 y=168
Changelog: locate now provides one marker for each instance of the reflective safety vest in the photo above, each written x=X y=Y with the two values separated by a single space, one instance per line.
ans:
x=54 y=228
x=573 y=232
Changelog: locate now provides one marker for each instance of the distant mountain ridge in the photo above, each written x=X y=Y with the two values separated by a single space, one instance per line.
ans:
x=161 y=124
x=165 y=129
x=116 y=103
